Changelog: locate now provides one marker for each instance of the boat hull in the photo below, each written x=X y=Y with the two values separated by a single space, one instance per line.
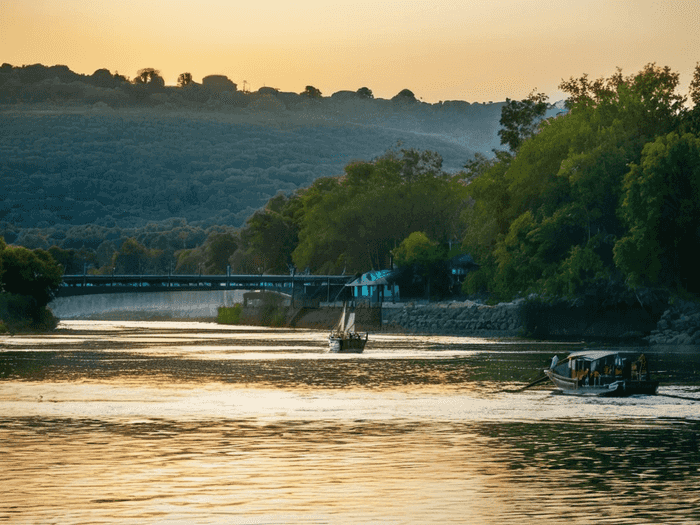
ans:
x=346 y=345
x=620 y=388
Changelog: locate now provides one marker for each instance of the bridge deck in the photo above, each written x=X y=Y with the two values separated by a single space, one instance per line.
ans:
x=104 y=284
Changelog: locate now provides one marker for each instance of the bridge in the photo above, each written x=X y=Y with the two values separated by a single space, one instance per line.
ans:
x=328 y=286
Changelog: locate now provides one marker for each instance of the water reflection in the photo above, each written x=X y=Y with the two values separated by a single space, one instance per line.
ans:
x=155 y=422
x=351 y=471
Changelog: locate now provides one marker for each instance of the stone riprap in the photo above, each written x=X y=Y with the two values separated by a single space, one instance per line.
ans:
x=679 y=325
x=459 y=318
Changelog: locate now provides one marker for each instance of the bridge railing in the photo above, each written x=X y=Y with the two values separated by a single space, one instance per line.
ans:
x=93 y=284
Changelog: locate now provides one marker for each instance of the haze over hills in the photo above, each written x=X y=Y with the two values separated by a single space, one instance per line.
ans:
x=78 y=150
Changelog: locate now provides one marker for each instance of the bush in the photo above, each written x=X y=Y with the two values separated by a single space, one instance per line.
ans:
x=229 y=314
x=20 y=313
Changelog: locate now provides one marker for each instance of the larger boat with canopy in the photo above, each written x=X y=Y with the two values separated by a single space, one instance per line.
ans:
x=601 y=373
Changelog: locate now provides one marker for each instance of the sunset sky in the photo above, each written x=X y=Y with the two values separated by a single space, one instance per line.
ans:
x=474 y=50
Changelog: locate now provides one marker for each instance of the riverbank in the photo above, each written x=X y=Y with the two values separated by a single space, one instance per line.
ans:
x=675 y=323
x=679 y=323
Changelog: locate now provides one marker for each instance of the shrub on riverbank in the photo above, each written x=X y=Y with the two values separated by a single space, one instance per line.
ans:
x=20 y=313
x=229 y=314
x=268 y=314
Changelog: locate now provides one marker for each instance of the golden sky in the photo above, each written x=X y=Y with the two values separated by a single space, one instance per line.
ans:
x=474 y=50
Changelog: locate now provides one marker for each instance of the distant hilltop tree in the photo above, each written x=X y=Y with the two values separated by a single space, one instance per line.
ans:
x=184 y=79
x=311 y=92
x=405 y=95
x=365 y=92
x=103 y=78
x=150 y=77
x=219 y=83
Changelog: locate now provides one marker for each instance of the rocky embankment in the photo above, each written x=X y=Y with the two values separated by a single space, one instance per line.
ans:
x=679 y=325
x=462 y=318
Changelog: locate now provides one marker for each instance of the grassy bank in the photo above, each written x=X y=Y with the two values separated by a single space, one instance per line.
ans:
x=269 y=314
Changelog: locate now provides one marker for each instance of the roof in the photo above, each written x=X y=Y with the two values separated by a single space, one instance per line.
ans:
x=593 y=355
x=374 y=278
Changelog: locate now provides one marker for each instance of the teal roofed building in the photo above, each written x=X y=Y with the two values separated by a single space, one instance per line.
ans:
x=375 y=286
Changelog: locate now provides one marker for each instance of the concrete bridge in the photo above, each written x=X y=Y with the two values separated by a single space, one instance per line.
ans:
x=182 y=296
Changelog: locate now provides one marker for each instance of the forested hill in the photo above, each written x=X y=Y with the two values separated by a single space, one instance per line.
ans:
x=79 y=150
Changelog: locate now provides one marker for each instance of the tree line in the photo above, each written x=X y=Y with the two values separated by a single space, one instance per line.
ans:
x=604 y=198
x=36 y=82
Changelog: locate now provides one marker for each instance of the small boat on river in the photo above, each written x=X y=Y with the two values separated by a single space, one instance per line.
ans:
x=344 y=339
x=601 y=373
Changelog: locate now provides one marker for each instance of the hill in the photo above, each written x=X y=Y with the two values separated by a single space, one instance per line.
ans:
x=79 y=150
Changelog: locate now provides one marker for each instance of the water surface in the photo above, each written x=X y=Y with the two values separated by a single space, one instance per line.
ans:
x=107 y=422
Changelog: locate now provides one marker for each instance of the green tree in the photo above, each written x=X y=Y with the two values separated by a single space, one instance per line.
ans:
x=219 y=247
x=661 y=208
x=423 y=255
x=29 y=272
x=520 y=119
x=358 y=219
x=133 y=258
x=272 y=233
x=418 y=249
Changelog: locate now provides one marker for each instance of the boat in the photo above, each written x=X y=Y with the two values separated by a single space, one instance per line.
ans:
x=343 y=339
x=601 y=373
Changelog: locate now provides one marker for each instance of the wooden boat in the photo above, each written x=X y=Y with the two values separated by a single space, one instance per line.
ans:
x=343 y=339
x=601 y=373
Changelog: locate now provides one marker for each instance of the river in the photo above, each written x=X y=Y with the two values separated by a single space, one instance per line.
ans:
x=145 y=422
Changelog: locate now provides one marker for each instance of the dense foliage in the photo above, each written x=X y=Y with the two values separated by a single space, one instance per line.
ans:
x=354 y=222
x=608 y=193
x=28 y=281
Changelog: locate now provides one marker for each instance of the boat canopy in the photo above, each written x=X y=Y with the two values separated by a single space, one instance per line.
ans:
x=592 y=355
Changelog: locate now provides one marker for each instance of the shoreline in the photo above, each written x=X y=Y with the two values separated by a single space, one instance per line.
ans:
x=678 y=324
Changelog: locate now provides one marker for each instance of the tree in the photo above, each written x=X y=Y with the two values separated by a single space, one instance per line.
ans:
x=272 y=233
x=219 y=247
x=365 y=92
x=692 y=117
x=417 y=248
x=311 y=92
x=405 y=95
x=184 y=79
x=661 y=208
x=520 y=118
x=356 y=221
x=133 y=258
x=423 y=256
x=147 y=75
x=29 y=272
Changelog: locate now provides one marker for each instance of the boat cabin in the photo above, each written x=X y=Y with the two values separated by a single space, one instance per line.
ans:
x=596 y=368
